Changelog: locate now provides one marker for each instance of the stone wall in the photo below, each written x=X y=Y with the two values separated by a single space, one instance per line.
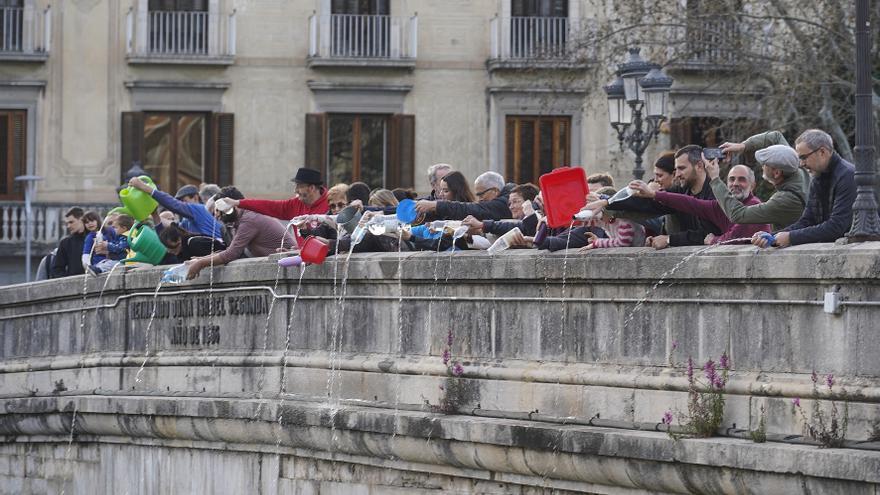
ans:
x=565 y=370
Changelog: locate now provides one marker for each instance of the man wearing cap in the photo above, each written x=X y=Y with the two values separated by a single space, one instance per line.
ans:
x=780 y=168
x=194 y=217
x=828 y=214
x=310 y=199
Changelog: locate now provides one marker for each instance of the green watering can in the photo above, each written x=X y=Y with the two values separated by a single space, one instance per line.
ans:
x=137 y=203
x=145 y=245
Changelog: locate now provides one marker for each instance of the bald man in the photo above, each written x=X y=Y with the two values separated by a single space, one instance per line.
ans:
x=740 y=184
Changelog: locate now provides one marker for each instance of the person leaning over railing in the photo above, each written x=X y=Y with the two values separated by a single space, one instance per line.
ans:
x=491 y=193
x=828 y=214
x=187 y=204
x=779 y=164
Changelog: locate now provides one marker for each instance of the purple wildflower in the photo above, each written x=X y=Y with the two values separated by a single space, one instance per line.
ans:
x=449 y=338
x=690 y=370
x=710 y=372
x=446 y=357
x=796 y=402
x=724 y=362
x=829 y=380
x=667 y=418
x=718 y=382
x=815 y=377
x=457 y=369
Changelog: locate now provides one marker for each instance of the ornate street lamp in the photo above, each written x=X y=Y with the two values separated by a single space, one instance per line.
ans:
x=866 y=224
x=637 y=97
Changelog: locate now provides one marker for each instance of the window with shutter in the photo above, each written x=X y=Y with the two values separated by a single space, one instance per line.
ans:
x=178 y=148
x=536 y=145
x=13 y=150
x=372 y=148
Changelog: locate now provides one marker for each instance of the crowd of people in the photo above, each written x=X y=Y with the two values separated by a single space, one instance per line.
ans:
x=687 y=202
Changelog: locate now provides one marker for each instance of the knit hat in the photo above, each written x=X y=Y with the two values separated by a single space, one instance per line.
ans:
x=780 y=157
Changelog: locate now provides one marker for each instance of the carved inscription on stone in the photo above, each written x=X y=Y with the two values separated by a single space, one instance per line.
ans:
x=194 y=324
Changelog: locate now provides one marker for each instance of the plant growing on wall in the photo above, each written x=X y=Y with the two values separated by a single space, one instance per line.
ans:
x=705 y=407
x=453 y=391
x=827 y=428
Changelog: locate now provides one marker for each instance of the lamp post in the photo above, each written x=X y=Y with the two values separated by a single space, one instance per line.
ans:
x=637 y=102
x=866 y=223
x=30 y=184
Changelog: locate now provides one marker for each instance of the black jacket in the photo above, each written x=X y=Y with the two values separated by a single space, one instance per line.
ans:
x=828 y=215
x=494 y=209
x=68 y=259
x=693 y=229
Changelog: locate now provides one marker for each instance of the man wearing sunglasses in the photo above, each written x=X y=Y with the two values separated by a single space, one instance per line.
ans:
x=491 y=192
x=828 y=214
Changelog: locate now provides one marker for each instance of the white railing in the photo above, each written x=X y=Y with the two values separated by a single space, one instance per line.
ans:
x=48 y=221
x=180 y=34
x=530 y=38
x=350 y=36
x=25 y=31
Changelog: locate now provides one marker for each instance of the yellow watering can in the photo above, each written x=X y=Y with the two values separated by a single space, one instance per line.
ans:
x=138 y=203
x=145 y=245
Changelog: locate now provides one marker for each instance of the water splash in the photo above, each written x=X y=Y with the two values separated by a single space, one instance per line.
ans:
x=282 y=387
x=137 y=376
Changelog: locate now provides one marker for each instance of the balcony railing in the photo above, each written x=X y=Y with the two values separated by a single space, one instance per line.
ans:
x=48 y=221
x=530 y=38
x=712 y=43
x=25 y=33
x=347 y=39
x=180 y=37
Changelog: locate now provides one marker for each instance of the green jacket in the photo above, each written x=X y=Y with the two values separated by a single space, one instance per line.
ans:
x=763 y=140
x=783 y=208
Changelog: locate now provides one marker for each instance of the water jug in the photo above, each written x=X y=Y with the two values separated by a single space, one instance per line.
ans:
x=314 y=251
x=137 y=202
x=145 y=245
x=503 y=242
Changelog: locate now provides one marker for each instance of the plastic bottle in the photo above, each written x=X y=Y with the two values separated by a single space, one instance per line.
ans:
x=503 y=242
x=290 y=261
x=621 y=195
x=770 y=238
x=175 y=275
x=583 y=215
x=223 y=206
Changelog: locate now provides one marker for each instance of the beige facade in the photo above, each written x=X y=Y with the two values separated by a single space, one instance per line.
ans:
x=263 y=74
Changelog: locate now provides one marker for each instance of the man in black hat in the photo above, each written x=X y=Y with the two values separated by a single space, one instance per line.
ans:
x=310 y=199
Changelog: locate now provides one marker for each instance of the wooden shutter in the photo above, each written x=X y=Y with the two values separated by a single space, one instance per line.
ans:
x=402 y=156
x=132 y=141
x=316 y=142
x=219 y=168
x=13 y=153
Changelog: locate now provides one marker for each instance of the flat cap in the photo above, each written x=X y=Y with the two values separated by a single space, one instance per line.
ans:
x=187 y=190
x=780 y=157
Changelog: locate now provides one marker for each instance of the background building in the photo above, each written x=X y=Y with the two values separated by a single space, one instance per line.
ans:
x=245 y=92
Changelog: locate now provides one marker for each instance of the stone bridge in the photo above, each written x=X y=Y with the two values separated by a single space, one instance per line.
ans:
x=422 y=373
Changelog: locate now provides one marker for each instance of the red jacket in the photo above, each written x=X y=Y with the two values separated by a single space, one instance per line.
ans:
x=286 y=209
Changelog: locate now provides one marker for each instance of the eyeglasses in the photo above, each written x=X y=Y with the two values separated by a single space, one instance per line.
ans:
x=337 y=205
x=480 y=194
x=804 y=157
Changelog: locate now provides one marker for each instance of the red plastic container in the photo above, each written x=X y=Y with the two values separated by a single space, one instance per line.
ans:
x=314 y=251
x=565 y=192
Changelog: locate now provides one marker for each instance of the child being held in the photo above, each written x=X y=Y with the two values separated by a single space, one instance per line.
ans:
x=620 y=232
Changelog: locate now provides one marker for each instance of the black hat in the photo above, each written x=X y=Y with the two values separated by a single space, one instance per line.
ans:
x=308 y=176
x=187 y=190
